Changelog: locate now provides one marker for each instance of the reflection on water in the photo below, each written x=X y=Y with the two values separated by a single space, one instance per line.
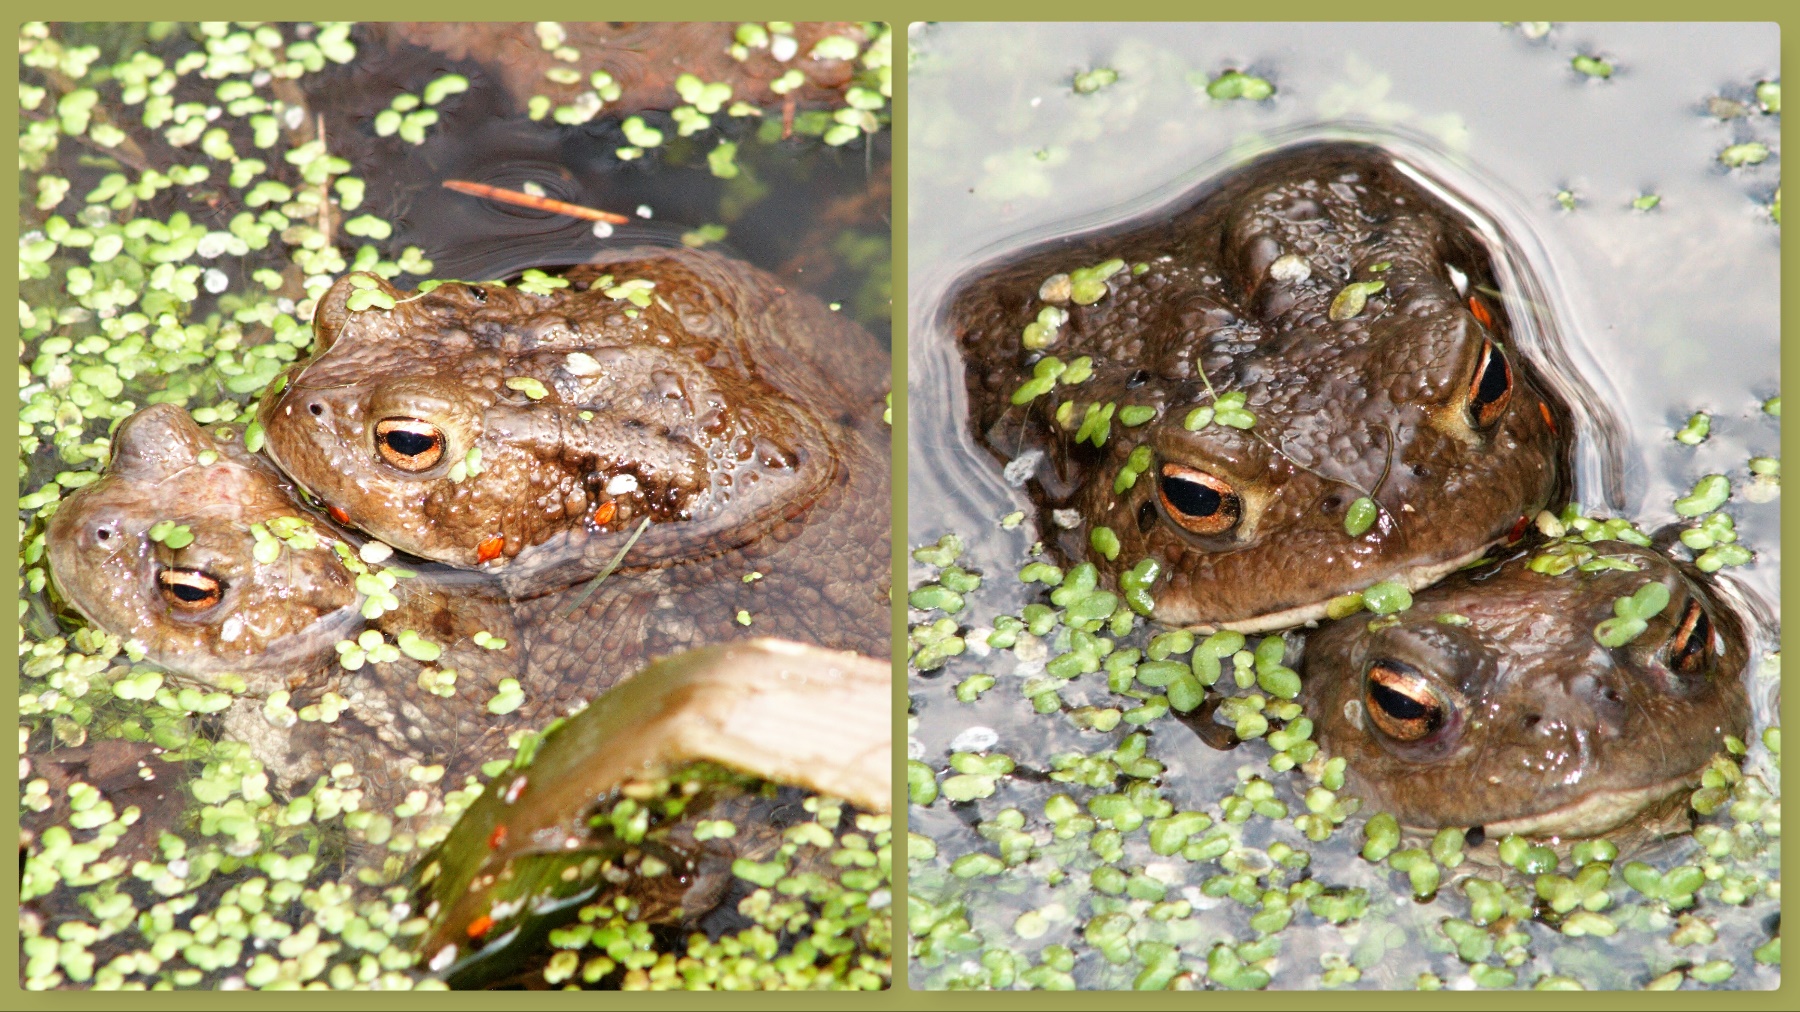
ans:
x=1661 y=313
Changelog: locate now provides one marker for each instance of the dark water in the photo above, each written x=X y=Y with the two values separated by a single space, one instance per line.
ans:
x=1660 y=314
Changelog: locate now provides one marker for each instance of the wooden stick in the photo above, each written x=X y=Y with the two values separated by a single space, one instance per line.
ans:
x=527 y=200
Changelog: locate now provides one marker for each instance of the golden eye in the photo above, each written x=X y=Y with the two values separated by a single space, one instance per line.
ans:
x=409 y=444
x=189 y=590
x=1401 y=702
x=1691 y=646
x=1491 y=386
x=1198 y=501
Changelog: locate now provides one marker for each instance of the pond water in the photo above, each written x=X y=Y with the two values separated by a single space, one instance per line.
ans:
x=200 y=305
x=1663 y=311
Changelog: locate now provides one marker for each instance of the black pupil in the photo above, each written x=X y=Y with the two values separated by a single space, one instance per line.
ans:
x=1398 y=705
x=190 y=593
x=1191 y=498
x=409 y=444
x=1495 y=379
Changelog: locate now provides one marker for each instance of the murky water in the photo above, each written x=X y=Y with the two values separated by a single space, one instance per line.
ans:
x=1661 y=312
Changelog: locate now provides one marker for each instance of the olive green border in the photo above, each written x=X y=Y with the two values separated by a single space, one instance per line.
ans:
x=899 y=13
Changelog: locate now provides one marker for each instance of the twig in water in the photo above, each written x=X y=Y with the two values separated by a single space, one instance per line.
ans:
x=529 y=200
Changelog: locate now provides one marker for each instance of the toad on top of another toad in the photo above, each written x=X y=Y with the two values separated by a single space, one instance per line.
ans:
x=530 y=432
x=1492 y=702
x=1294 y=384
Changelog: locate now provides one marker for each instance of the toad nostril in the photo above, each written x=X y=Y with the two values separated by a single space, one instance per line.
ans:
x=316 y=408
x=1330 y=503
x=103 y=534
x=1611 y=695
x=1531 y=720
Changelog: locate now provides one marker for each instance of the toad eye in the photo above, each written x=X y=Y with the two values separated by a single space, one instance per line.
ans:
x=1401 y=702
x=1691 y=645
x=410 y=444
x=189 y=590
x=1198 y=501
x=1491 y=386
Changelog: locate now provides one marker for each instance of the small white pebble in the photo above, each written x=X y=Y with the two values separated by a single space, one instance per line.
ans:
x=620 y=484
x=375 y=552
x=643 y=211
x=975 y=739
x=602 y=229
x=532 y=188
x=1068 y=520
x=1290 y=268
x=783 y=47
x=215 y=280
x=580 y=363
x=292 y=117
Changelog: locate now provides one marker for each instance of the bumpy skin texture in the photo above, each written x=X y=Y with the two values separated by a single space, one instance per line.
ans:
x=1379 y=403
x=1545 y=731
x=277 y=624
x=742 y=419
x=282 y=616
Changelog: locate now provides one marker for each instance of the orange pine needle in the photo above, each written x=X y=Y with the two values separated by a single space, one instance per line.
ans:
x=1481 y=312
x=604 y=514
x=489 y=549
x=527 y=200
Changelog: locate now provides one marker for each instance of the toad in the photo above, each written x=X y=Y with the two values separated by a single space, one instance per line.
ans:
x=198 y=551
x=1299 y=380
x=1493 y=701
x=676 y=403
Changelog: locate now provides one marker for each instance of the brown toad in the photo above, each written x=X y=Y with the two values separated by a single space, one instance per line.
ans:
x=1221 y=383
x=1491 y=701
x=198 y=551
x=676 y=396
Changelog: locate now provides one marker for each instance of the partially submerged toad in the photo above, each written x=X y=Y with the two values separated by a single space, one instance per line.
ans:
x=202 y=553
x=198 y=551
x=531 y=435
x=1492 y=702
x=1294 y=384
